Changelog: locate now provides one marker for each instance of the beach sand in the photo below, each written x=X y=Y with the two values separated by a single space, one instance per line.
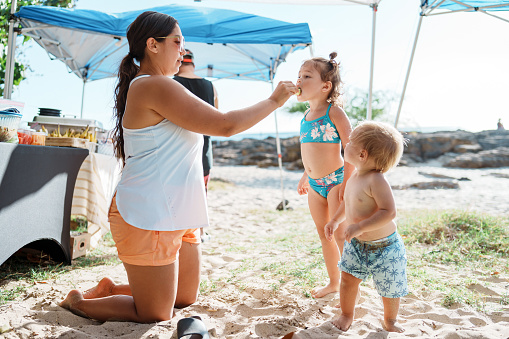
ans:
x=247 y=304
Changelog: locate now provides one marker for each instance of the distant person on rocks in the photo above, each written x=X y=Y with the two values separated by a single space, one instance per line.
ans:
x=500 y=127
x=373 y=245
x=204 y=90
x=323 y=130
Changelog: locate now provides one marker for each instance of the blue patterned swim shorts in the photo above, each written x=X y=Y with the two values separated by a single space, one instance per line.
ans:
x=384 y=259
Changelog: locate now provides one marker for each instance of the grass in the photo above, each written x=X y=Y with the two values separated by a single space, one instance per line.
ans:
x=217 y=184
x=454 y=250
x=18 y=268
x=302 y=267
x=449 y=253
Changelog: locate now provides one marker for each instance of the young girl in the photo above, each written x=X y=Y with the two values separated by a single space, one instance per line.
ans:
x=324 y=128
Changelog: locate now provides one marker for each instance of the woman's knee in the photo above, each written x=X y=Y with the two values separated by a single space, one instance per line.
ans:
x=155 y=316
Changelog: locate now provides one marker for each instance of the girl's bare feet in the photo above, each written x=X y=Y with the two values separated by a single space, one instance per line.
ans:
x=393 y=326
x=343 y=322
x=322 y=292
x=103 y=289
x=71 y=303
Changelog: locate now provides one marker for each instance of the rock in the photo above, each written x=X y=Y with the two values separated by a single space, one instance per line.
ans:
x=435 y=175
x=450 y=149
x=499 y=175
x=432 y=145
x=267 y=163
x=493 y=158
x=428 y=185
x=295 y=166
x=468 y=148
x=280 y=206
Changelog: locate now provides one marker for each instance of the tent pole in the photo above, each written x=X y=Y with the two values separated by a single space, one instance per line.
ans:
x=11 y=47
x=82 y=98
x=408 y=71
x=370 y=95
x=279 y=157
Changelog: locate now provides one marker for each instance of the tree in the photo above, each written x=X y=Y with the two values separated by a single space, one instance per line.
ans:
x=5 y=12
x=357 y=107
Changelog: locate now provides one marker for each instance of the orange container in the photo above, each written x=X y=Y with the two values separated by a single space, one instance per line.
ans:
x=38 y=138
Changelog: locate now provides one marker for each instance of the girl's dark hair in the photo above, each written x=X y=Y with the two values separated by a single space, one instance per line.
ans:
x=329 y=71
x=147 y=25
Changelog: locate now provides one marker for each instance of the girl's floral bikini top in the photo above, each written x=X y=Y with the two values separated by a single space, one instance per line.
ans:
x=319 y=130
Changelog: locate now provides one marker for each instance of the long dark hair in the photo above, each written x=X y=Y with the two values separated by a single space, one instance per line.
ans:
x=147 y=25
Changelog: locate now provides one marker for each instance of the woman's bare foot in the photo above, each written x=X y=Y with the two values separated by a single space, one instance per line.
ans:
x=322 y=292
x=103 y=289
x=338 y=305
x=393 y=326
x=71 y=303
x=343 y=322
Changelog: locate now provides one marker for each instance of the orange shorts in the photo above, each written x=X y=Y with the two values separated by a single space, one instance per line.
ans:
x=141 y=247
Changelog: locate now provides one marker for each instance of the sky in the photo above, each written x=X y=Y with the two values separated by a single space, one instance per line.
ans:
x=459 y=77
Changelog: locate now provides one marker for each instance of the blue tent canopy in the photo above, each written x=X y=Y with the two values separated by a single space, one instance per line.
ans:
x=226 y=43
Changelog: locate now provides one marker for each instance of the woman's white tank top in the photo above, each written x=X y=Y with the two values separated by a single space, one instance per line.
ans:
x=162 y=186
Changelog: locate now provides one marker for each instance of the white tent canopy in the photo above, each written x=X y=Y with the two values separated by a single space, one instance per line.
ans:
x=371 y=3
x=439 y=7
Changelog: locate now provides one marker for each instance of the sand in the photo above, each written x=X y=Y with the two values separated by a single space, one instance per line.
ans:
x=254 y=308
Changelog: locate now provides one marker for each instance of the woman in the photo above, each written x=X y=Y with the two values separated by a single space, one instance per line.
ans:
x=160 y=203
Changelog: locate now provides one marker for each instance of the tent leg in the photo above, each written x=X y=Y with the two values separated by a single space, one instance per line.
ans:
x=82 y=99
x=280 y=163
x=370 y=95
x=408 y=71
x=11 y=47
x=279 y=157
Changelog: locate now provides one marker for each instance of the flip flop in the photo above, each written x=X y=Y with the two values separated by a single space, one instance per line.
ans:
x=186 y=327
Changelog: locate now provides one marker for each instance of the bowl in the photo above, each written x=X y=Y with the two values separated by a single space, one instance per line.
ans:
x=9 y=123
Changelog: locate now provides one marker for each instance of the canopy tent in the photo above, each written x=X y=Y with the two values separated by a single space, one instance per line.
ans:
x=439 y=7
x=371 y=3
x=226 y=43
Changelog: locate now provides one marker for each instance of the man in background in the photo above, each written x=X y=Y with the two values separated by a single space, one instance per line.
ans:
x=204 y=90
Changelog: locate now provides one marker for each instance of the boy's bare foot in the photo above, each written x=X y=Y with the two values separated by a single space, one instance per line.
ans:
x=103 y=289
x=343 y=322
x=71 y=303
x=338 y=305
x=322 y=292
x=393 y=326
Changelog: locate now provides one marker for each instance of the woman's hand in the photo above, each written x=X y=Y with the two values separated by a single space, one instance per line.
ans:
x=283 y=91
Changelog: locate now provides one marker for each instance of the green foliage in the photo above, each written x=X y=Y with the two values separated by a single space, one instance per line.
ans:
x=453 y=253
x=357 y=107
x=460 y=236
x=5 y=10
x=298 y=107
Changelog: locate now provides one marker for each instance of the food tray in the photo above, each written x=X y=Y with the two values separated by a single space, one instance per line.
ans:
x=68 y=142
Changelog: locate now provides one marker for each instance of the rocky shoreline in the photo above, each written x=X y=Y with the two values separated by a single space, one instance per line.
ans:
x=453 y=149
